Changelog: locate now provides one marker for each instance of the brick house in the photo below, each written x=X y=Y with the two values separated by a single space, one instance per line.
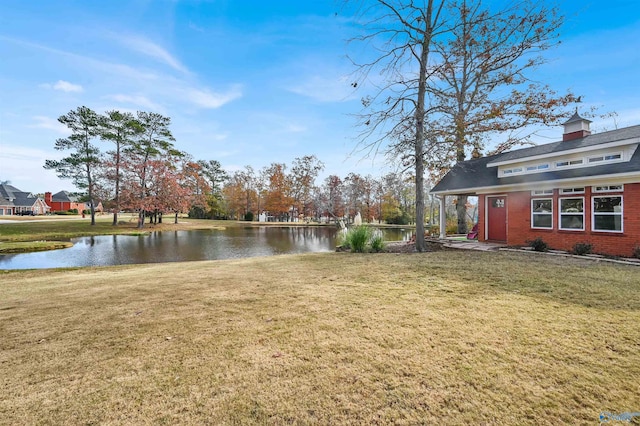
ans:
x=63 y=201
x=14 y=202
x=583 y=189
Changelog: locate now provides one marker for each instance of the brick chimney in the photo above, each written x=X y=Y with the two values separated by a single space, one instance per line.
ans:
x=575 y=128
x=47 y=198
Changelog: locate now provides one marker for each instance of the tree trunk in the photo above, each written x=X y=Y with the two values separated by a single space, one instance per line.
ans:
x=461 y=211
x=419 y=142
x=141 y=218
x=176 y=219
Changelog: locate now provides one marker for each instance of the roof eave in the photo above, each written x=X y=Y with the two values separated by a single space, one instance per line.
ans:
x=623 y=142
x=554 y=183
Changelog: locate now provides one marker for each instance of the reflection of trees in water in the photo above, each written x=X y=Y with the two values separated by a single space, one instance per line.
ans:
x=175 y=246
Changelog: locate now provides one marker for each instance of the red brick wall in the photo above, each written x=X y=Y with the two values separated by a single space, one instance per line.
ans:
x=519 y=223
x=65 y=205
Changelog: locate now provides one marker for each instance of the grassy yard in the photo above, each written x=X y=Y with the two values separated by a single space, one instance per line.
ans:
x=30 y=228
x=451 y=337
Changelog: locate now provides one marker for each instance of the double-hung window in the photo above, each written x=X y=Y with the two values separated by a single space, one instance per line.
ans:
x=542 y=213
x=607 y=213
x=572 y=213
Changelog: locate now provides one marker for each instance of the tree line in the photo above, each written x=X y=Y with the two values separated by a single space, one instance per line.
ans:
x=292 y=194
x=129 y=162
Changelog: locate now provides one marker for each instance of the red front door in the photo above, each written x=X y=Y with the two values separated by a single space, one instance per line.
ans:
x=497 y=218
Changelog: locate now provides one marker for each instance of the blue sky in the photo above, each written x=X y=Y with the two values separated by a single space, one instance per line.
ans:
x=245 y=82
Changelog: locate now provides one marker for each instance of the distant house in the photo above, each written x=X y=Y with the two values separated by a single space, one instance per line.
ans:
x=583 y=189
x=6 y=206
x=14 y=202
x=97 y=207
x=63 y=201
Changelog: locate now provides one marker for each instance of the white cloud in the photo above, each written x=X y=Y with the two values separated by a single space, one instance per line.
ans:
x=24 y=168
x=207 y=99
x=140 y=100
x=324 y=89
x=48 y=123
x=196 y=27
x=121 y=70
x=65 y=86
x=295 y=128
x=149 y=48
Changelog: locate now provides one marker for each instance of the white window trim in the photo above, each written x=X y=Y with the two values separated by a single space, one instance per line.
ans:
x=533 y=213
x=607 y=190
x=603 y=155
x=539 y=192
x=560 y=213
x=572 y=190
x=569 y=160
x=621 y=214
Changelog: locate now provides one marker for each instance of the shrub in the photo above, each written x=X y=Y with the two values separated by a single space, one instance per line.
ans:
x=538 y=244
x=360 y=239
x=357 y=238
x=377 y=241
x=452 y=226
x=636 y=251
x=248 y=217
x=582 y=248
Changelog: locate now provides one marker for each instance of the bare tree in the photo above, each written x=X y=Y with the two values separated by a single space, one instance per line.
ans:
x=455 y=74
x=403 y=33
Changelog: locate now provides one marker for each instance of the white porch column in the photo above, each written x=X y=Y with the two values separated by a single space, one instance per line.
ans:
x=443 y=217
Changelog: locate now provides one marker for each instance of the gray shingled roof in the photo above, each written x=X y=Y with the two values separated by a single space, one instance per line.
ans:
x=476 y=173
x=5 y=202
x=576 y=117
x=17 y=197
x=558 y=147
x=63 y=196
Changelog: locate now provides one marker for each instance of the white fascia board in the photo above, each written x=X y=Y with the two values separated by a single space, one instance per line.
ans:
x=565 y=153
x=612 y=179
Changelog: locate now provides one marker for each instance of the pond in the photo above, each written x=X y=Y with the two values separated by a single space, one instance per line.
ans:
x=182 y=246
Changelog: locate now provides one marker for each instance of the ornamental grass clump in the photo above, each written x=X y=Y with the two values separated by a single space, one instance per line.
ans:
x=360 y=239
x=377 y=241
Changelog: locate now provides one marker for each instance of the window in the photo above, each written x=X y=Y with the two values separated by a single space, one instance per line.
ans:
x=611 y=156
x=536 y=167
x=572 y=214
x=512 y=171
x=607 y=213
x=572 y=190
x=542 y=213
x=542 y=192
x=567 y=163
x=607 y=188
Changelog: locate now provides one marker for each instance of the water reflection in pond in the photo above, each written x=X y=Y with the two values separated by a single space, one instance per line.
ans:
x=180 y=246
